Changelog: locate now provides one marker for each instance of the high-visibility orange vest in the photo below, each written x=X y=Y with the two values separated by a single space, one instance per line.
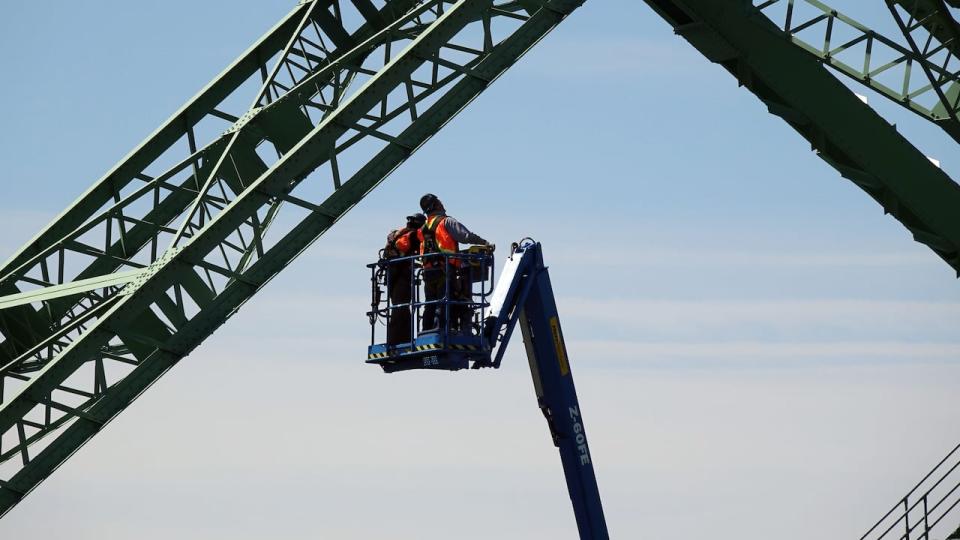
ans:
x=435 y=238
x=404 y=242
x=400 y=243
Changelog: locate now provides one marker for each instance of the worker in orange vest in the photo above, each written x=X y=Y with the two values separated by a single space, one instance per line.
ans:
x=402 y=242
x=443 y=234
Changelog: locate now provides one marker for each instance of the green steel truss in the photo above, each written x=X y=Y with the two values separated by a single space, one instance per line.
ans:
x=784 y=67
x=170 y=243
x=779 y=50
x=920 y=74
x=933 y=35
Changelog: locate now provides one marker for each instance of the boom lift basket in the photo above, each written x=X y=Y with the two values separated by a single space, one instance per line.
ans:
x=523 y=298
x=411 y=314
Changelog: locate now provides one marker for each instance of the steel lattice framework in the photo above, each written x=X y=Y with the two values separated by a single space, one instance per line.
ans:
x=920 y=74
x=780 y=51
x=777 y=49
x=170 y=243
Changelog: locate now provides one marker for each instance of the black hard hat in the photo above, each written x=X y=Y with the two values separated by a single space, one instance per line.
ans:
x=429 y=202
x=416 y=221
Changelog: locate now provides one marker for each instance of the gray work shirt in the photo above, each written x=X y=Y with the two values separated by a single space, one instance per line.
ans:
x=460 y=233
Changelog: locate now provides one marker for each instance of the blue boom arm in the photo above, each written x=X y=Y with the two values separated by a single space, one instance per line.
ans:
x=524 y=295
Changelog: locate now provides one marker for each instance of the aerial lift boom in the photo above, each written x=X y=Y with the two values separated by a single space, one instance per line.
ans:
x=524 y=296
x=528 y=299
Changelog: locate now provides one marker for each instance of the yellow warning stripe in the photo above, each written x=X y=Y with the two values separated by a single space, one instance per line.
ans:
x=428 y=347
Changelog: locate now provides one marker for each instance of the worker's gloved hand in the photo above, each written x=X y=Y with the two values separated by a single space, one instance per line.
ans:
x=487 y=244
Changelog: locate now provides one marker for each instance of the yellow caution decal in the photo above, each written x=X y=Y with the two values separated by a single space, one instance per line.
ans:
x=561 y=347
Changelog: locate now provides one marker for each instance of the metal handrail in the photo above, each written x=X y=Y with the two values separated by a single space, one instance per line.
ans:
x=418 y=264
x=904 y=506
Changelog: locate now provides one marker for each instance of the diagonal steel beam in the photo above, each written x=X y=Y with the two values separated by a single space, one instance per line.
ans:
x=67 y=289
x=25 y=327
x=877 y=61
x=937 y=19
x=172 y=130
x=845 y=133
x=940 y=39
x=163 y=315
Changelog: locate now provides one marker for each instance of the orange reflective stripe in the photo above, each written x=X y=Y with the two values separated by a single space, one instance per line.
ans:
x=445 y=242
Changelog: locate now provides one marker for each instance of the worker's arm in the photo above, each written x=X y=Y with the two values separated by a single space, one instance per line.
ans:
x=461 y=234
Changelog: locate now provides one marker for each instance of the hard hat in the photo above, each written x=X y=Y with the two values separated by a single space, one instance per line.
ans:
x=416 y=221
x=429 y=202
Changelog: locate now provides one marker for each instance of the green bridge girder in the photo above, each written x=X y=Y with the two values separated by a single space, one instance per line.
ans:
x=171 y=242
x=933 y=34
x=922 y=75
x=845 y=132
x=788 y=74
x=935 y=17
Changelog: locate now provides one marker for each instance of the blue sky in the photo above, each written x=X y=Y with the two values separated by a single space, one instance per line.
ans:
x=753 y=340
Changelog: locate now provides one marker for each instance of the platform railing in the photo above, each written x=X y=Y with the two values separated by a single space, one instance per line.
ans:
x=925 y=506
x=476 y=267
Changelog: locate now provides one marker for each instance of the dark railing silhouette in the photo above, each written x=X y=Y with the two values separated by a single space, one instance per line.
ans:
x=475 y=267
x=925 y=506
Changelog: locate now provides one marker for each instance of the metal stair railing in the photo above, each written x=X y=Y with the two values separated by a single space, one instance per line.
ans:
x=924 y=506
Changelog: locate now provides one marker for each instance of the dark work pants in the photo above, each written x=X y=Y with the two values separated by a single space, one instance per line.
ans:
x=434 y=281
x=399 y=329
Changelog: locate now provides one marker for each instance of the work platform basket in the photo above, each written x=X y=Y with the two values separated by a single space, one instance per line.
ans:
x=427 y=312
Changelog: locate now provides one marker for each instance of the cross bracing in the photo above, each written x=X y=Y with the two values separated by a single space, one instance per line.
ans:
x=932 y=15
x=918 y=70
x=788 y=76
x=166 y=247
